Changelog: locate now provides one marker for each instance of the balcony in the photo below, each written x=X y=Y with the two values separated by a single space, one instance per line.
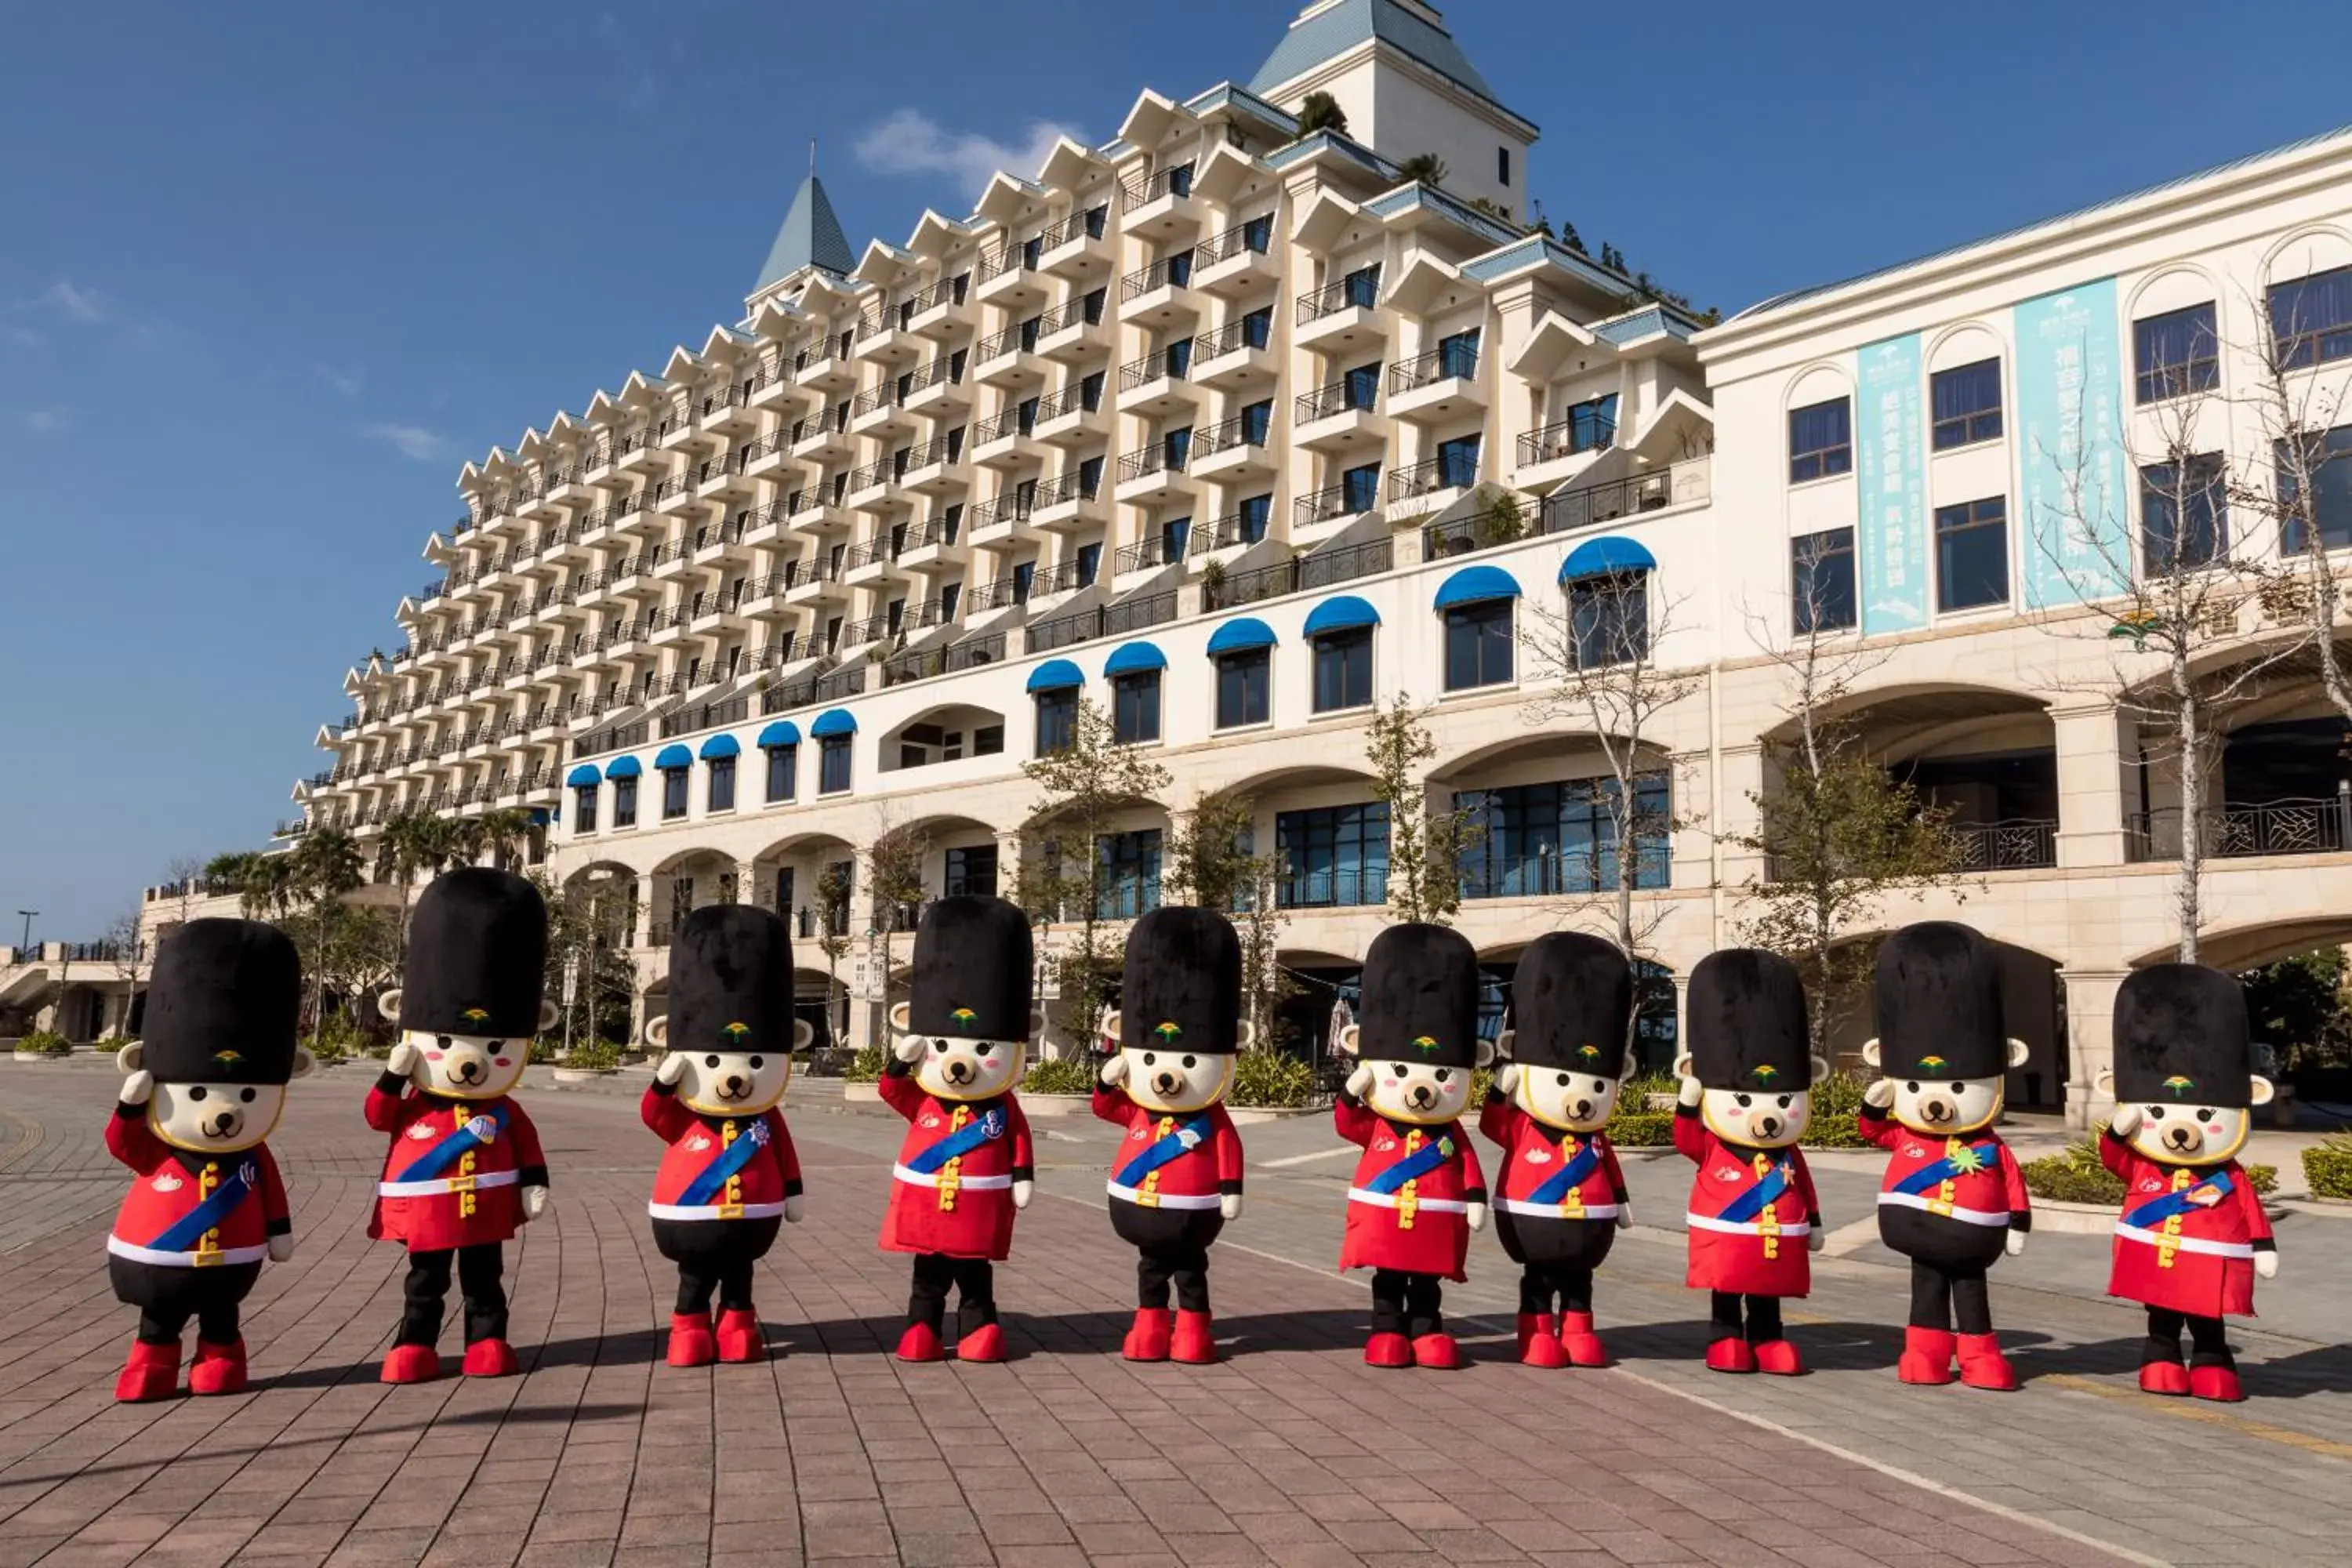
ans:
x=1556 y=451
x=825 y=683
x=997 y=516
x=1340 y=415
x=996 y=440
x=933 y=544
x=1008 y=274
x=1123 y=619
x=875 y=411
x=1073 y=416
x=1442 y=381
x=2313 y=826
x=1160 y=294
x=1154 y=472
x=881 y=338
x=1654 y=489
x=869 y=484
x=1010 y=357
x=825 y=365
x=937 y=387
x=1159 y=203
x=1236 y=530
x=1076 y=247
x=869 y=562
x=1152 y=553
x=927 y=466
x=1072 y=498
x=1233 y=448
x=1333 y=888
x=819 y=582
x=640 y=450
x=815 y=510
x=1340 y=315
x=1419 y=488
x=1073 y=331
x=1335 y=504
x=824 y=439
x=972 y=653
x=938 y=311
x=1239 y=261
x=1236 y=354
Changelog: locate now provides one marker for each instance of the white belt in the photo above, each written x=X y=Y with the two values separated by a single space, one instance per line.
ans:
x=440 y=1184
x=1556 y=1211
x=1748 y=1227
x=715 y=1211
x=969 y=1183
x=1388 y=1201
x=1949 y=1211
x=137 y=1254
x=1142 y=1199
x=2184 y=1243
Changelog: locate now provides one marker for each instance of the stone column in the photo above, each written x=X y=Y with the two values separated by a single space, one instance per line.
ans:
x=2090 y=1041
x=642 y=927
x=2096 y=772
x=746 y=885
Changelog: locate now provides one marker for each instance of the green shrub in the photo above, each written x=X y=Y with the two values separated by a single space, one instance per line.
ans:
x=867 y=1065
x=2327 y=1165
x=1062 y=1075
x=2263 y=1179
x=1641 y=1129
x=594 y=1054
x=1636 y=1095
x=2073 y=1175
x=1270 y=1081
x=542 y=1049
x=47 y=1042
x=1481 y=1080
x=1836 y=1100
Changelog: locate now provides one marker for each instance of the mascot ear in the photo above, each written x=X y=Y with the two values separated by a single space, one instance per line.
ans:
x=1683 y=1065
x=900 y=1013
x=1345 y=1043
x=2019 y=1051
x=1870 y=1052
x=2103 y=1082
x=1109 y=1029
x=128 y=1058
x=803 y=1034
x=2263 y=1091
x=388 y=1004
x=304 y=1062
x=1503 y=1044
x=1037 y=1026
x=548 y=1014
x=1486 y=1052
x=1247 y=1039
x=656 y=1032
x=1820 y=1068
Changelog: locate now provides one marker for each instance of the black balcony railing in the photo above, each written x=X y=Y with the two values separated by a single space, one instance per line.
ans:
x=1161 y=456
x=2317 y=827
x=1341 y=396
x=1346 y=499
x=1357 y=291
x=1078 y=397
x=1017 y=255
x=1077 y=485
x=1175 y=181
x=1128 y=616
x=883 y=397
x=882 y=547
x=1159 y=549
x=1588 y=431
x=707 y=715
x=1450 y=360
x=1086 y=310
x=1417 y=479
x=1013 y=506
x=1252 y=331
x=1020 y=339
x=946 y=291
x=1224 y=532
x=1256 y=237
x=1338 y=888
x=1173 y=362
x=972 y=653
x=1297 y=574
x=1245 y=429
x=619 y=738
x=1587 y=506
x=872 y=474
x=1087 y=224
x=1168 y=273
x=2015 y=846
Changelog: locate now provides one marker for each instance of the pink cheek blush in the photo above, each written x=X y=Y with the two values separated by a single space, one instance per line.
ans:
x=2214 y=1127
x=433 y=1056
x=501 y=1061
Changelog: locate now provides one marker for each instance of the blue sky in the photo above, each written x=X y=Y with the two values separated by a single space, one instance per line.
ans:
x=274 y=269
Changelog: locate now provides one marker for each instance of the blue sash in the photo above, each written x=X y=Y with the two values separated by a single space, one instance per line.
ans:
x=1568 y=1177
x=1413 y=1166
x=2156 y=1211
x=189 y=1227
x=1769 y=1188
x=728 y=1161
x=1189 y=1136
x=957 y=1144
x=453 y=1147
x=1946 y=1168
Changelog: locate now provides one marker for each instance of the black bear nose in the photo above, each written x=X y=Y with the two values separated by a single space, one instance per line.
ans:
x=734 y=1087
x=1166 y=1082
x=958 y=1070
x=1583 y=1108
x=1767 y=1125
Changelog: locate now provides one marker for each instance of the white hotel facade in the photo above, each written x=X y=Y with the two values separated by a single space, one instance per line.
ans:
x=1194 y=424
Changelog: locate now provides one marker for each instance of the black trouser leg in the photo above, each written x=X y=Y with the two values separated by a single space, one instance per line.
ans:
x=1388 y=1300
x=1575 y=1282
x=479 y=1269
x=2164 y=1327
x=1188 y=1266
x=927 y=1299
x=162 y=1325
x=1931 y=1297
x=1534 y=1291
x=423 y=1296
x=1971 y=1302
x=2211 y=1344
x=735 y=1284
x=1723 y=1315
x=975 y=1282
x=217 y=1321
x=1422 y=1294
x=1764 y=1320
x=1153 y=1270
x=695 y=1285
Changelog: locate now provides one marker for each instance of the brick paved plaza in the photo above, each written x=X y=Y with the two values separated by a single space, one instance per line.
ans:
x=1290 y=1452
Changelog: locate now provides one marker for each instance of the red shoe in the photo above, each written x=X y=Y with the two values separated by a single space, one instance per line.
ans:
x=1926 y=1357
x=1148 y=1339
x=491 y=1358
x=740 y=1337
x=1730 y=1355
x=1196 y=1341
x=411 y=1364
x=2163 y=1377
x=1779 y=1358
x=689 y=1340
x=1584 y=1346
x=1533 y=1325
x=1542 y=1349
x=152 y=1373
x=2211 y=1381
x=1983 y=1366
x=220 y=1368
x=921 y=1342
x=1437 y=1351
x=1388 y=1350
x=985 y=1343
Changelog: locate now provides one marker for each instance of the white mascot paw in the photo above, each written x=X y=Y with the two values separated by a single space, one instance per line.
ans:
x=1360 y=1082
x=909 y=1051
x=404 y=1061
x=673 y=1068
x=535 y=1202
x=281 y=1248
x=1476 y=1214
x=1880 y=1093
x=1816 y=1238
x=1506 y=1079
x=2124 y=1120
x=2266 y=1264
x=1114 y=1071
x=1021 y=1191
x=1625 y=1217
x=139 y=1088
x=2014 y=1243
x=794 y=1206
x=1230 y=1205
x=1691 y=1092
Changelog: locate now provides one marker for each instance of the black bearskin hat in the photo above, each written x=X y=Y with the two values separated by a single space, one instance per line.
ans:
x=1939 y=997
x=223 y=1005
x=1748 y=1023
x=477 y=956
x=1571 y=1003
x=1182 y=989
x=1421 y=998
x=730 y=981
x=973 y=964
x=2182 y=1036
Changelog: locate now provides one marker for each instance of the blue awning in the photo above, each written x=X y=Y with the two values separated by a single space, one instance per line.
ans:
x=1606 y=558
x=1134 y=659
x=834 y=721
x=1343 y=614
x=720 y=746
x=586 y=774
x=1241 y=636
x=1474 y=584
x=782 y=732
x=1056 y=675
x=674 y=757
x=624 y=768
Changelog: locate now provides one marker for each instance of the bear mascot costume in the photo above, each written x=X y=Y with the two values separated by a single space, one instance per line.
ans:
x=1953 y=1200
x=464 y=1170
x=1418 y=1192
x=1560 y=1199
x=202 y=1089
x=2192 y=1235
x=1746 y=1098
x=1177 y=1176
x=966 y=1165
x=729 y=1179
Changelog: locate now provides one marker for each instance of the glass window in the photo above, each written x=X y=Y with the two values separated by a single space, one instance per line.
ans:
x=1502 y=165
x=1090 y=393
x=1966 y=404
x=785 y=881
x=1479 y=645
x=1176 y=447
x=1972 y=555
x=2183 y=515
x=1023 y=575
x=1173 y=532
x=1551 y=839
x=2176 y=353
x=1095 y=216
x=1610 y=618
x=1820 y=440
x=1129 y=885
x=1180 y=179
x=1090 y=477
x=1360 y=387
x=1244 y=691
x=2311 y=319
x=1177 y=358
x=783 y=771
x=1257 y=327
x=1089 y=564
x=1093 y=306
x=1057 y=720
x=719 y=788
x=1458 y=354
x=1253 y=514
x=1343 y=670
x=1457 y=462
x=1362 y=287
x=1333 y=857
x=1180 y=268
x=625 y=803
x=1135 y=707
x=971 y=871
x=1820 y=582
x=583 y=808
x=674 y=792
x=1257 y=233
x=1359 y=487
x=2328 y=466
x=1256 y=420
x=832 y=765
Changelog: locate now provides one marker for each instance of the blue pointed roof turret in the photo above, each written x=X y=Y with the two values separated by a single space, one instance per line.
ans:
x=811 y=237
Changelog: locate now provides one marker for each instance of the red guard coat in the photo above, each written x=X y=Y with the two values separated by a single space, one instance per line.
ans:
x=2201 y=1262
x=457 y=1217
x=1179 y=1203
x=1580 y=1228
x=1765 y=1257
x=965 y=1210
x=173 y=1182
x=1423 y=1228
x=1961 y=1222
x=757 y=1191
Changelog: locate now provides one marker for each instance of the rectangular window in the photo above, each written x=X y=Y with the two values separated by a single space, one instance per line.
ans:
x=1173 y=532
x=2183 y=515
x=1095 y=216
x=1359 y=487
x=1457 y=462
x=674 y=792
x=1966 y=403
x=1023 y=575
x=988 y=740
x=1343 y=671
x=785 y=881
x=1551 y=839
x=1503 y=166
x=1176 y=359
x=1091 y=472
x=1253 y=515
x=1089 y=558
x=1257 y=327
x=625 y=803
x=1972 y=555
x=2311 y=319
x=1479 y=645
x=1360 y=387
x=1180 y=179
x=1611 y=617
x=1057 y=720
x=1090 y=393
x=1135 y=707
x=970 y=871
x=718 y=791
x=1820 y=582
x=1244 y=688
x=584 y=809
x=1129 y=881
x=1362 y=288
x=1180 y=268
x=1176 y=448
x=1820 y=440
x=832 y=765
x=2327 y=468
x=1458 y=354
x=2175 y=355
x=783 y=772
x=1334 y=857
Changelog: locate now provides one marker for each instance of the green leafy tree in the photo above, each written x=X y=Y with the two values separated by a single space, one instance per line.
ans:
x=353 y=952
x=261 y=879
x=1321 y=112
x=588 y=931
x=1427 y=168
x=1212 y=864
x=324 y=866
x=1425 y=847
x=2297 y=1006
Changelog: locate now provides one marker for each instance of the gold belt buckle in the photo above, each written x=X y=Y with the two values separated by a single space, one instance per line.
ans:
x=461 y=1183
x=1939 y=1206
x=206 y=1256
x=730 y=1211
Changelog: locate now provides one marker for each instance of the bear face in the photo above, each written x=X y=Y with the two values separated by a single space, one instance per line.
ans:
x=465 y=1066
x=1945 y=1108
x=1576 y=1102
x=1175 y=1082
x=2191 y=1134
x=969 y=1069
x=219 y=1117
x=727 y=1082
x=1415 y=1092
x=1757 y=1120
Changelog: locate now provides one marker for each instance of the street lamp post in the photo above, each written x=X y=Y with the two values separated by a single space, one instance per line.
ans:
x=27 y=939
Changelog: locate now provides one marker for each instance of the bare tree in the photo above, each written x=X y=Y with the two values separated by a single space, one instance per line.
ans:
x=1425 y=846
x=1212 y=863
x=894 y=871
x=832 y=891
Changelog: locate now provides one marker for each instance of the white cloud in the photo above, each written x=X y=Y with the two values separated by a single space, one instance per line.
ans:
x=73 y=302
x=909 y=142
x=409 y=440
x=347 y=382
x=23 y=337
x=47 y=421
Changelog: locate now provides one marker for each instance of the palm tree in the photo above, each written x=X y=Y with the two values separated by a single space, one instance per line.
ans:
x=263 y=881
x=414 y=841
x=322 y=867
x=1321 y=112
x=1426 y=167
x=502 y=828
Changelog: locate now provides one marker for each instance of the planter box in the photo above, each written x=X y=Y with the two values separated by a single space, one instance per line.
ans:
x=862 y=1093
x=39 y=1057
x=1247 y=1115
x=583 y=1075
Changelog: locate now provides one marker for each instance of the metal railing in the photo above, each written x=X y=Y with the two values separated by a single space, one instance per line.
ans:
x=707 y=715
x=2022 y=844
x=1085 y=311
x=972 y=653
x=1018 y=339
x=1427 y=478
x=1158 y=458
x=1146 y=554
x=1084 y=224
x=1015 y=254
x=1249 y=333
x=1338 y=888
x=1175 y=179
x=1074 y=398
x=1335 y=501
x=1224 y=532
x=1342 y=396
x=1174 y=363
x=1353 y=293
x=2315 y=827
x=1077 y=485
x=1566 y=438
x=1013 y=506
x=1168 y=273
x=1564 y=512
x=1245 y=429
x=1425 y=370
x=883 y=397
x=1297 y=574
x=1253 y=237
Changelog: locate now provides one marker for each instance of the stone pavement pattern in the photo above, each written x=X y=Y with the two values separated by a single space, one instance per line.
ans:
x=1290 y=1452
